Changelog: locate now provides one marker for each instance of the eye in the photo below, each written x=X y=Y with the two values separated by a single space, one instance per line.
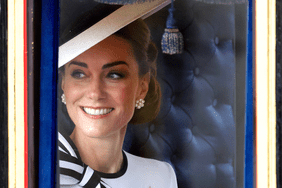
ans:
x=78 y=74
x=115 y=75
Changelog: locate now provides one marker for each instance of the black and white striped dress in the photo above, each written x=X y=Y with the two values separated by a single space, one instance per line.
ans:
x=136 y=171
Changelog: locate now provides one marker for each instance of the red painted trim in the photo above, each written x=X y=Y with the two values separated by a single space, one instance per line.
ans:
x=25 y=96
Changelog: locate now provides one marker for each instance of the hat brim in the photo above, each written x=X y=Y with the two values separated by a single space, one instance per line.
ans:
x=106 y=27
x=121 y=2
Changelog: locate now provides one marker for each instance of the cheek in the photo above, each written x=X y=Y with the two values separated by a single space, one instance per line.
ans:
x=120 y=94
x=72 y=92
x=125 y=94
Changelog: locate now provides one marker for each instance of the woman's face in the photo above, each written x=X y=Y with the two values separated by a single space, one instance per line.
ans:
x=101 y=86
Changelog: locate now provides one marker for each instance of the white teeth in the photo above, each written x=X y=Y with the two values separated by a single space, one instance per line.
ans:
x=96 y=112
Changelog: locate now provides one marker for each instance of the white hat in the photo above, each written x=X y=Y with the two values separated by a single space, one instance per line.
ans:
x=78 y=36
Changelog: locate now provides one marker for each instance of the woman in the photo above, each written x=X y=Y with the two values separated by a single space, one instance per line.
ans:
x=105 y=88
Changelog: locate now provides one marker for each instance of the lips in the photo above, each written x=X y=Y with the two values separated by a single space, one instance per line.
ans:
x=97 y=112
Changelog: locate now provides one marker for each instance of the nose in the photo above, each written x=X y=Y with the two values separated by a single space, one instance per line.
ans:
x=96 y=89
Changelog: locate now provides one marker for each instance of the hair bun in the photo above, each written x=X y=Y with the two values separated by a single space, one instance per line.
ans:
x=152 y=53
x=153 y=97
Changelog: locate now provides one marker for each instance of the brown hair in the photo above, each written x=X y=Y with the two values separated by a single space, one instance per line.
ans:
x=138 y=35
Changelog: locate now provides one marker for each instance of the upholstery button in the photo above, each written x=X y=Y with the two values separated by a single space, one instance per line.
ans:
x=214 y=103
x=197 y=71
x=152 y=128
x=216 y=40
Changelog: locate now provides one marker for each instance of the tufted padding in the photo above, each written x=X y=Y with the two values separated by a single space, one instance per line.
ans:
x=195 y=129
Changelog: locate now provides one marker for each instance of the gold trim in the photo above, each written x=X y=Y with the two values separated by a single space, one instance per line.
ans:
x=15 y=94
x=265 y=28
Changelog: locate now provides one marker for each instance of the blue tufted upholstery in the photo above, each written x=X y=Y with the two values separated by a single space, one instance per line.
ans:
x=195 y=129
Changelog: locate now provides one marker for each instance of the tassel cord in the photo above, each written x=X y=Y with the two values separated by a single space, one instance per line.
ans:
x=171 y=22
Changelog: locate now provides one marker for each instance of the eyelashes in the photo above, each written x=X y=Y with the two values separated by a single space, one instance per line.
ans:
x=78 y=74
x=113 y=75
x=116 y=75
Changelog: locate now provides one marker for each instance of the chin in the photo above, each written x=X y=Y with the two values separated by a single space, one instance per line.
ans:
x=101 y=129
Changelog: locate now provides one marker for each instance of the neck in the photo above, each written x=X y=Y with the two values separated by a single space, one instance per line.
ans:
x=101 y=154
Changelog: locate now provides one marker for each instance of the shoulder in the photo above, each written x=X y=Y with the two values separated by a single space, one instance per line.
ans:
x=153 y=169
x=147 y=163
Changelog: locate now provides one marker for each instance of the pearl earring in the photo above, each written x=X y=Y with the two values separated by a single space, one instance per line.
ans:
x=139 y=103
x=63 y=98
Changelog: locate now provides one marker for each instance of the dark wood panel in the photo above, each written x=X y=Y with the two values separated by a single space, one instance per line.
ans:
x=33 y=59
x=3 y=97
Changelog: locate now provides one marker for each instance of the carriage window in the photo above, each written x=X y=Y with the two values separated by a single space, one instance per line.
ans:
x=200 y=126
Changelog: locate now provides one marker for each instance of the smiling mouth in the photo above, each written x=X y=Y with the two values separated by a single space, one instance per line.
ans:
x=96 y=112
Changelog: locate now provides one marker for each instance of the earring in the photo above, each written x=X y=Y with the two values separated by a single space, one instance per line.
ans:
x=63 y=98
x=140 y=103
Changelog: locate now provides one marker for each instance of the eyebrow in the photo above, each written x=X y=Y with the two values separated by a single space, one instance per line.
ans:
x=79 y=64
x=108 y=65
